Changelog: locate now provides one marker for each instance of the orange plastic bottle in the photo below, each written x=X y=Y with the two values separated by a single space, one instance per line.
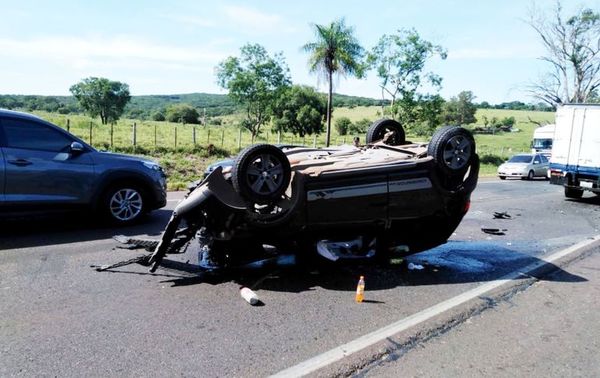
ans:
x=360 y=290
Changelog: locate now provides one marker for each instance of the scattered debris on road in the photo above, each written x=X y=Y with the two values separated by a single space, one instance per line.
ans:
x=412 y=266
x=494 y=231
x=502 y=215
x=249 y=296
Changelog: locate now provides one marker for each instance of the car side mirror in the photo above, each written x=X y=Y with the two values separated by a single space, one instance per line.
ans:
x=77 y=147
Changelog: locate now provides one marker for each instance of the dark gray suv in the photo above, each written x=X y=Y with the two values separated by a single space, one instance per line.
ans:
x=45 y=168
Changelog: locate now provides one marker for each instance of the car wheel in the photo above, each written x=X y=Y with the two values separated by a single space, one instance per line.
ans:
x=261 y=173
x=452 y=149
x=530 y=175
x=378 y=130
x=123 y=204
x=502 y=177
x=573 y=193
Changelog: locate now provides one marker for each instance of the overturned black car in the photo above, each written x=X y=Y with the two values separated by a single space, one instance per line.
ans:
x=344 y=202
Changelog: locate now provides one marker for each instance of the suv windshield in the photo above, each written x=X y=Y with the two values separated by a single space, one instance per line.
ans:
x=520 y=159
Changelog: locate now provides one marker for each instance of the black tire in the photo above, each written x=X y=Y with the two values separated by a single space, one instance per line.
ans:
x=379 y=128
x=573 y=193
x=530 y=175
x=261 y=173
x=502 y=177
x=452 y=149
x=123 y=204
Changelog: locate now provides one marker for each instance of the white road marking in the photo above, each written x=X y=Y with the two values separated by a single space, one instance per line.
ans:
x=381 y=334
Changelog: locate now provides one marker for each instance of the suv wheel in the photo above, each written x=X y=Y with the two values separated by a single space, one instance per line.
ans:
x=452 y=148
x=261 y=173
x=123 y=204
x=378 y=130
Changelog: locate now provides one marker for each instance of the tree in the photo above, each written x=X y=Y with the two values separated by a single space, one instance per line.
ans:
x=461 y=109
x=102 y=97
x=342 y=125
x=335 y=51
x=399 y=60
x=254 y=80
x=300 y=110
x=572 y=53
x=185 y=113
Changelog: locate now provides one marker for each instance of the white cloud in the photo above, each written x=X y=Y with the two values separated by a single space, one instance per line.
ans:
x=79 y=52
x=191 y=20
x=254 y=20
x=513 y=52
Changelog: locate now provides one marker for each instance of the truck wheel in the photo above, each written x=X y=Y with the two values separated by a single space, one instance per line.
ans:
x=573 y=193
x=452 y=149
x=261 y=173
x=378 y=130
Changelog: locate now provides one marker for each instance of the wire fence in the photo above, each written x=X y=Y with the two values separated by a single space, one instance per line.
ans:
x=155 y=135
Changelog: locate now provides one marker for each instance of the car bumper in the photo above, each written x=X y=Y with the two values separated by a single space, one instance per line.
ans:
x=512 y=174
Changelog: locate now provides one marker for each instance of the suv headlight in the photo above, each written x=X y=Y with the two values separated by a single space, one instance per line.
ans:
x=151 y=165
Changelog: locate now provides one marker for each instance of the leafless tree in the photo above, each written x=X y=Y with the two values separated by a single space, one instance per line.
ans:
x=573 y=54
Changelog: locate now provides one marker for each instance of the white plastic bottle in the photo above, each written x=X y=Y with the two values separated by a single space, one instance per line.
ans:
x=249 y=296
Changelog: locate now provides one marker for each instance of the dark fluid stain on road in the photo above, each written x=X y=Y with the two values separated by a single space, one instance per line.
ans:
x=452 y=263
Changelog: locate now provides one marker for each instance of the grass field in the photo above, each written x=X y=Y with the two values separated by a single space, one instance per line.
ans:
x=173 y=144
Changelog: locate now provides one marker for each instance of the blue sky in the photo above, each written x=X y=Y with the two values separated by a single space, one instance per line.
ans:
x=161 y=47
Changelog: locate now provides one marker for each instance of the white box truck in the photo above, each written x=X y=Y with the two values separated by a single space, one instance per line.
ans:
x=542 y=140
x=575 y=161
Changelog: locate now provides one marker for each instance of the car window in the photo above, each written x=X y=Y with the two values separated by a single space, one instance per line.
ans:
x=520 y=159
x=537 y=159
x=33 y=136
x=544 y=159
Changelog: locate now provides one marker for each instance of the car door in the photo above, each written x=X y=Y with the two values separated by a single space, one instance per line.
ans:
x=539 y=168
x=2 y=169
x=544 y=165
x=40 y=167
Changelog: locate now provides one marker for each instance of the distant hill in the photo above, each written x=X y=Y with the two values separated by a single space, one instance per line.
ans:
x=143 y=107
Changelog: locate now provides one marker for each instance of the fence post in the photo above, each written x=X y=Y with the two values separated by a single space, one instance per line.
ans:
x=315 y=141
x=175 y=128
x=304 y=140
x=91 y=142
x=155 y=141
x=208 y=138
x=194 y=135
x=134 y=136
x=68 y=124
x=222 y=137
x=112 y=124
x=240 y=140
x=279 y=137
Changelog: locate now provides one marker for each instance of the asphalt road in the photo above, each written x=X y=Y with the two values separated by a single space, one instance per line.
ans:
x=59 y=317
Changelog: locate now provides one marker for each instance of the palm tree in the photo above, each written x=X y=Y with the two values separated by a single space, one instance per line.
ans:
x=336 y=51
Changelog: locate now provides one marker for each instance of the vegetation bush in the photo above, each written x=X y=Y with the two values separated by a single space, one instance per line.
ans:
x=185 y=113
x=342 y=125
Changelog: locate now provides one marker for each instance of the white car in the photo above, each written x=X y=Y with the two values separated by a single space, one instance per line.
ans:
x=524 y=166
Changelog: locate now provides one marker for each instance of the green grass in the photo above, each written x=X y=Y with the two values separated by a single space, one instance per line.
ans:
x=173 y=145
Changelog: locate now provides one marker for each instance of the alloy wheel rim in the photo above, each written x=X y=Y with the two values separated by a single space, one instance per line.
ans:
x=457 y=152
x=265 y=175
x=125 y=204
